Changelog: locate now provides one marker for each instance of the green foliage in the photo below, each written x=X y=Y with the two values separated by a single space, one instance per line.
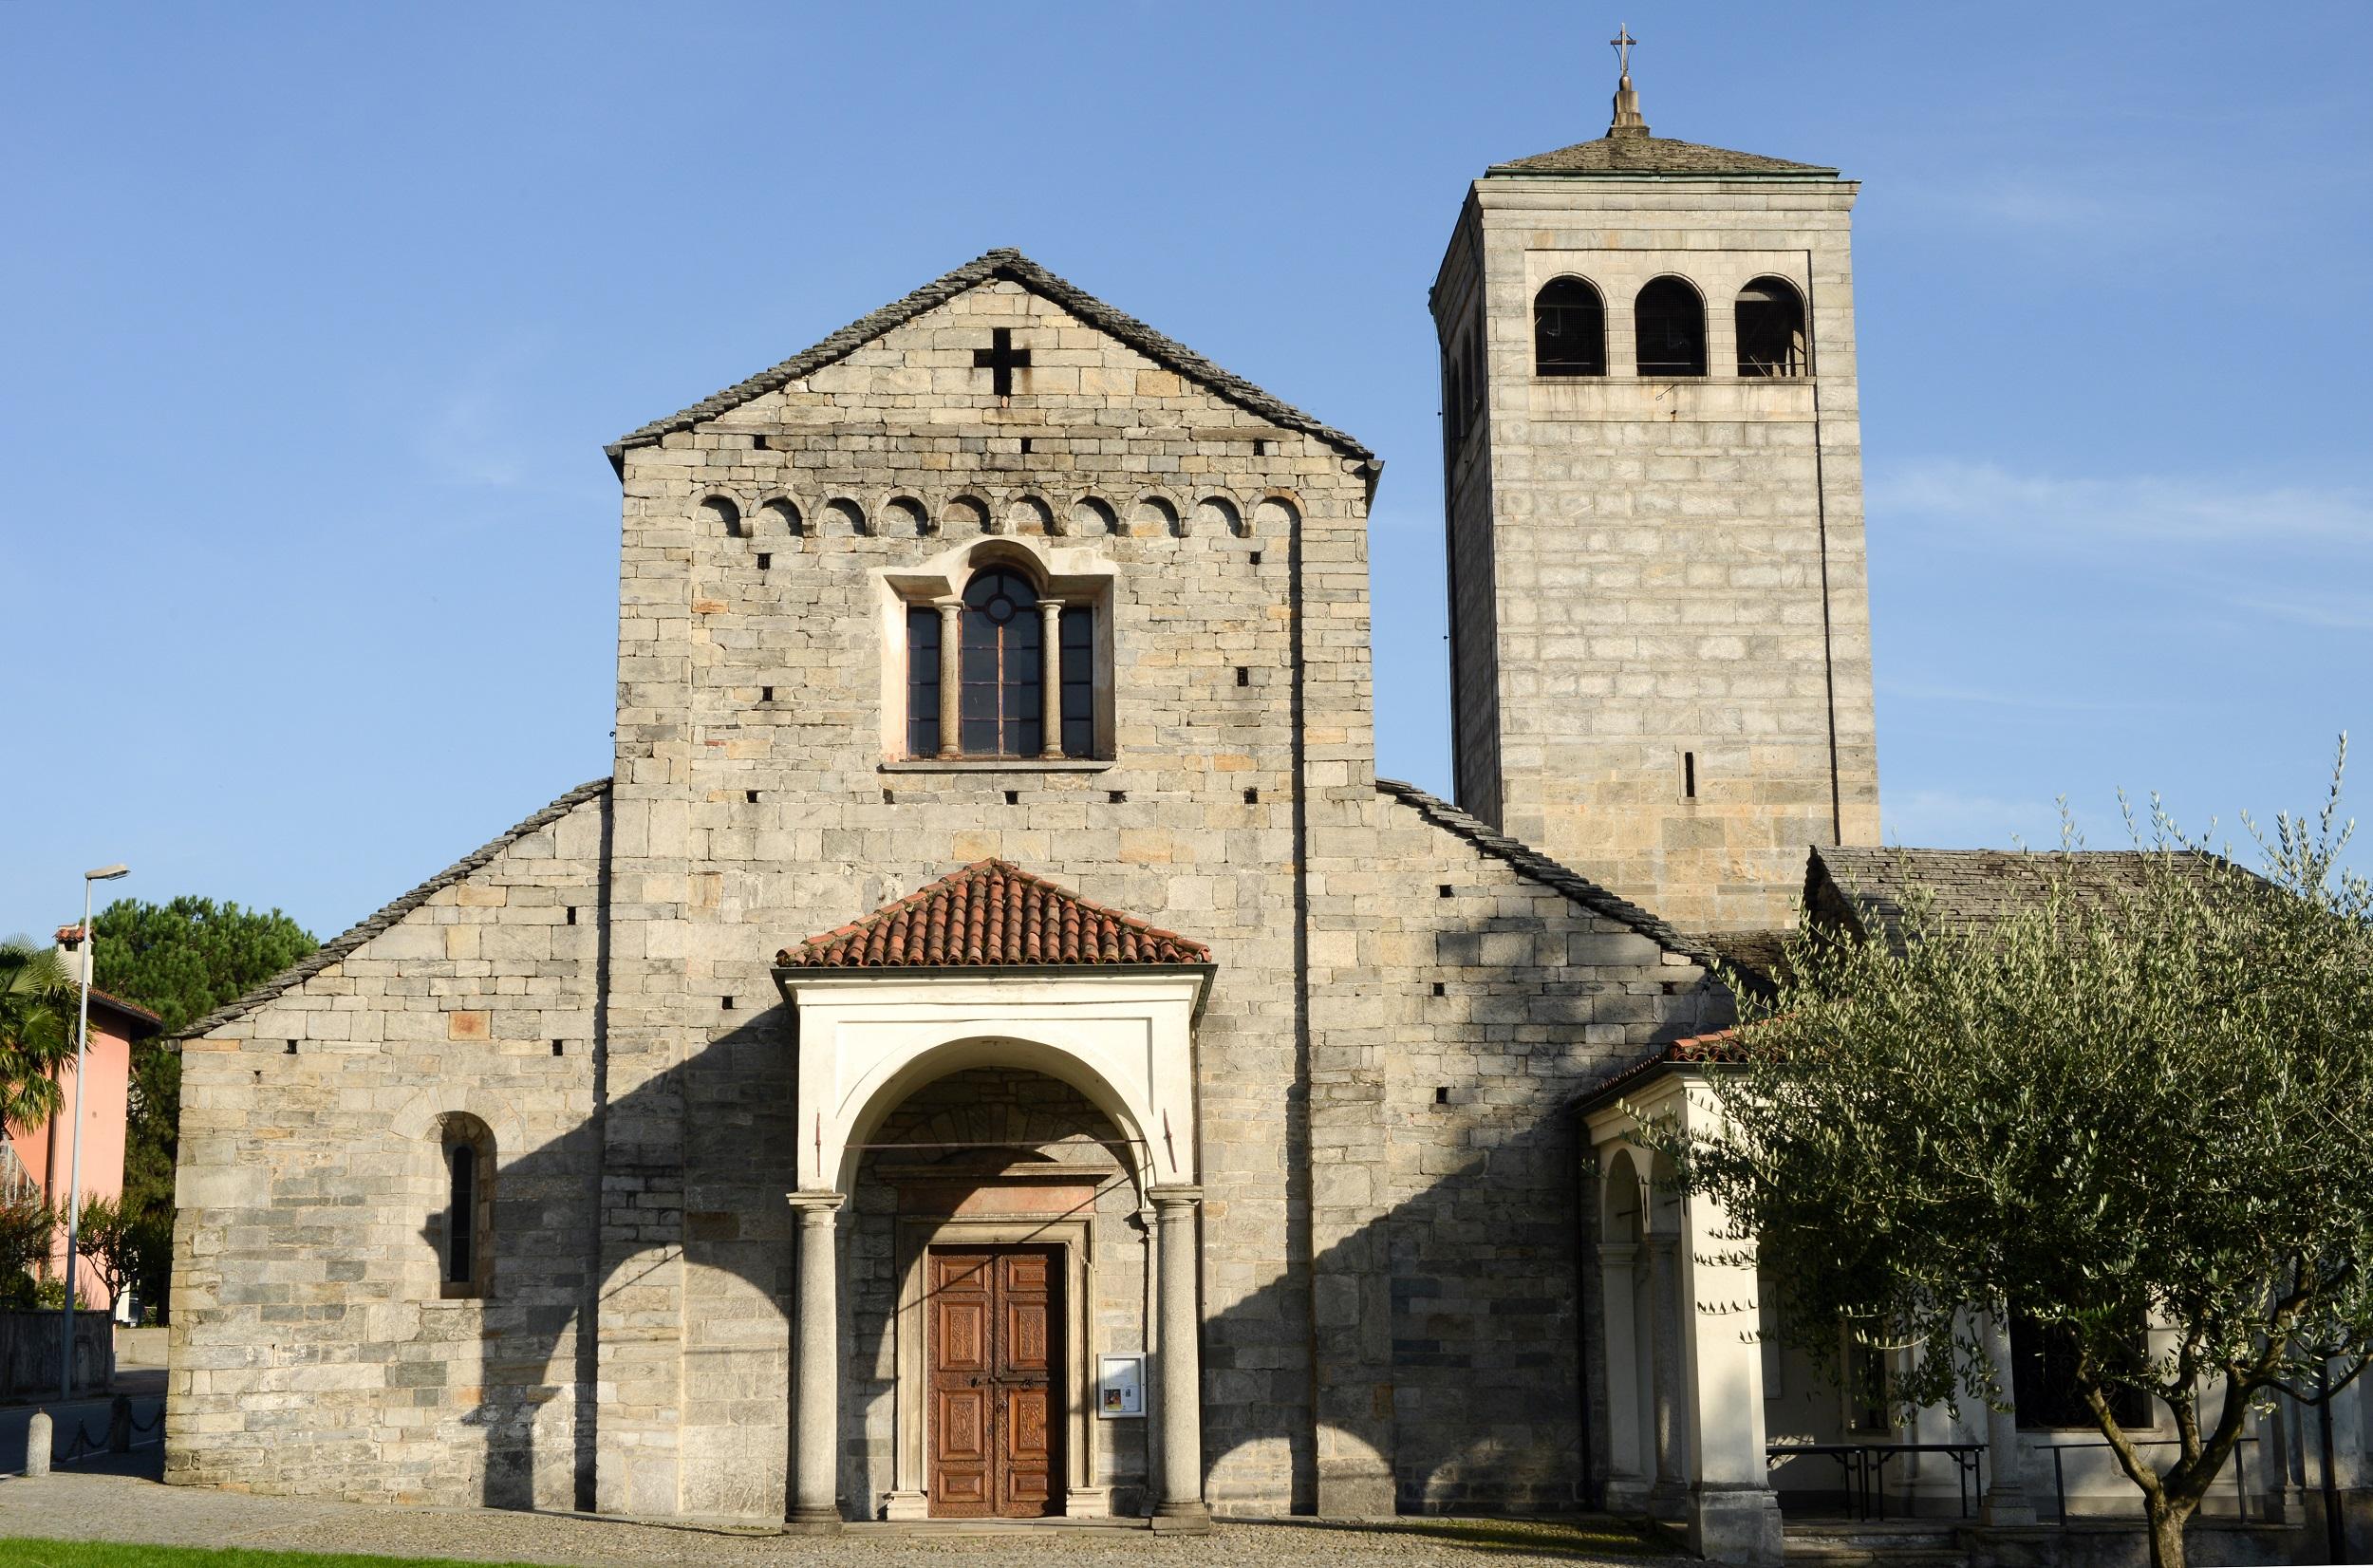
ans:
x=27 y=1225
x=2127 y=1104
x=123 y=1242
x=38 y=1000
x=180 y=960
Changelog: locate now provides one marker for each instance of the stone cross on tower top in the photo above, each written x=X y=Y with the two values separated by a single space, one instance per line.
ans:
x=1627 y=119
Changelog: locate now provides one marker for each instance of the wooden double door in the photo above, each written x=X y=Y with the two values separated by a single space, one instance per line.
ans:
x=994 y=1349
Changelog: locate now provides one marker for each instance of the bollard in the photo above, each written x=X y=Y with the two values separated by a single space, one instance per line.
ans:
x=37 y=1446
x=119 y=1425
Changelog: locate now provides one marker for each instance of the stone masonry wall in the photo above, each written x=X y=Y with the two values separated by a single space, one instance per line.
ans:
x=1461 y=1008
x=1234 y=552
x=1678 y=565
x=311 y=1349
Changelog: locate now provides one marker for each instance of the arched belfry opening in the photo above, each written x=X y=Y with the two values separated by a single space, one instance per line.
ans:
x=1770 y=317
x=1669 y=324
x=999 y=1181
x=1569 y=329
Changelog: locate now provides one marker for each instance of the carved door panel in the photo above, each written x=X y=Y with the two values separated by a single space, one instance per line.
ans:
x=994 y=1332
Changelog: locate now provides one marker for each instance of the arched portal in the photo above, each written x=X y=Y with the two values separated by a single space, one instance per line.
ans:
x=998 y=1116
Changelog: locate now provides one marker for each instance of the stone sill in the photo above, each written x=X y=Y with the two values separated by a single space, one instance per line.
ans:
x=999 y=765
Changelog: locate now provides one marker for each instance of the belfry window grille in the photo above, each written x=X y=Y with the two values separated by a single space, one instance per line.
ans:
x=1770 y=315
x=1569 y=329
x=1669 y=319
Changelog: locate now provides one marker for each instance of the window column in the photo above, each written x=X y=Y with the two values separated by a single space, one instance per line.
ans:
x=951 y=675
x=1051 y=664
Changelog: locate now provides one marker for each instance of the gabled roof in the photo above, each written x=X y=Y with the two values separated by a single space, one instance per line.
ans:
x=992 y=913
x=1719 y=1048
x=1533 y=866
x=346 y=942
x=1013 y=266
x=138 y=1021
x=1872 y=888
x=1619 y=154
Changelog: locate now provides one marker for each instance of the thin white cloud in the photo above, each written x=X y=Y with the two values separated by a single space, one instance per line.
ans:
x=2349 y=612
x=2025 y=701
x=2122 y=510
x=1953 y=819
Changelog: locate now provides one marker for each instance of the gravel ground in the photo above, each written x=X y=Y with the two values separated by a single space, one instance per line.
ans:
x=131 y=1506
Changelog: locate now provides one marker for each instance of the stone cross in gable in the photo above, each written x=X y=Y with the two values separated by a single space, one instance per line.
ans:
x=1000 y=360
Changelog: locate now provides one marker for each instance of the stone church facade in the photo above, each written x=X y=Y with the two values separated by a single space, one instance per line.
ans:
x=993 y=981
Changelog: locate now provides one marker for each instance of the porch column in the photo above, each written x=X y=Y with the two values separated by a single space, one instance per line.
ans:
x=1180 y=1505
x=951 y=676
x=1667 y=1497
x=1734 y=1514
x=1626 y=1484
x=1051 y=664
x=2005 y=1501
x=814 y=1397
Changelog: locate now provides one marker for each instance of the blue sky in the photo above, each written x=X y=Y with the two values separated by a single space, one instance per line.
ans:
x=318 y=316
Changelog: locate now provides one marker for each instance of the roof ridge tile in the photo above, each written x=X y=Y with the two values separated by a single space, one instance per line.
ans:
x=1012 y=265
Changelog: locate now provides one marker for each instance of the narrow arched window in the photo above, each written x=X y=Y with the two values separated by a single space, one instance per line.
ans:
x=1569 y=329
x=1669 y=319
x=464 y=1233
x=462 y=1237
x=1770 y=317
x=1001 y=667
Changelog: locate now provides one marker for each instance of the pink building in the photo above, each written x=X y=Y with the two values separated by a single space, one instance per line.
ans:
x=44 y=1155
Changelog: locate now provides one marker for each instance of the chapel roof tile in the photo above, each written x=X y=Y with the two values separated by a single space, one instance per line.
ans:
x=1013 y=266
x=1718 y=1049
x=1623 y=153
x=1878 y=888
x=992 y=913
x=346 y=942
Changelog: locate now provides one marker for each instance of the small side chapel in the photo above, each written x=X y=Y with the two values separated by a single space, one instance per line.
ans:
x=993 y=1047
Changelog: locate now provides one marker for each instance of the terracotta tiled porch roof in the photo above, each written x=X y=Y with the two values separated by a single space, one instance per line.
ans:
x=992 y=912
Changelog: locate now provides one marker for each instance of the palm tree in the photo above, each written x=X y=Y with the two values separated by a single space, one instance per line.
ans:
x=37 y=1009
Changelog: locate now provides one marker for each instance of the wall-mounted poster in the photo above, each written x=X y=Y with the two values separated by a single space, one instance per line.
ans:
x=1121 y=1387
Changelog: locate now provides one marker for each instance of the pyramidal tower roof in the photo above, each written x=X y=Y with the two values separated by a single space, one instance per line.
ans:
x=1628 y=152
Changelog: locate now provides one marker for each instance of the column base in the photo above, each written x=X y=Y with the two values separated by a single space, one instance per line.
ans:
x=1087 y=1502
x=2006 y=1507
x=1625 y=1494
x=906 y=1506
x=1182 y=1519
x=1741 y=1526
x=810 y=1519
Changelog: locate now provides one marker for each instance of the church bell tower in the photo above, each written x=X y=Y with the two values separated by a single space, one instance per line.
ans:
x=1660 y=612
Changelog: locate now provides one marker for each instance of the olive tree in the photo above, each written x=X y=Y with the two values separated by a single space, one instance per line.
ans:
x=2145 y=1103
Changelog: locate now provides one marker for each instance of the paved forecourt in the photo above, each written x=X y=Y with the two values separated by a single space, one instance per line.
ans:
x=135 y=1508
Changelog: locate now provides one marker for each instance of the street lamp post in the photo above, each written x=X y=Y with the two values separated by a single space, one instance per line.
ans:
x=74 y=1158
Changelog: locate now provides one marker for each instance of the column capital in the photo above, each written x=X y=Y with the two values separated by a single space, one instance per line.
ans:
x=948 y=606
x=817 y=1207
x=1617 y=1254
x=1181 y=1196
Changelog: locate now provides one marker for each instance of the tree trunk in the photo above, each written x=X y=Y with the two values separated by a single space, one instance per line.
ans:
x=2167 y=1521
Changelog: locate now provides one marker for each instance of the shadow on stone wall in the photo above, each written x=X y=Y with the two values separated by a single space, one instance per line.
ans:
x=1479 y=1398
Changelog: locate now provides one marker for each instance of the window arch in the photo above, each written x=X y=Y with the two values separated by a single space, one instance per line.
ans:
x=1771 y=316
x=988 y=668
x=1669 y=319
x=1569 y=329
x=465 y=1236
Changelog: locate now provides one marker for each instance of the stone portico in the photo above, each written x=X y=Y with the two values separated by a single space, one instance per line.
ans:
x=986 y=976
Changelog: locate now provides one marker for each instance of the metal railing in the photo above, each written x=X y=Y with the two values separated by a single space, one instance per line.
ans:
x=2059 y=1475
